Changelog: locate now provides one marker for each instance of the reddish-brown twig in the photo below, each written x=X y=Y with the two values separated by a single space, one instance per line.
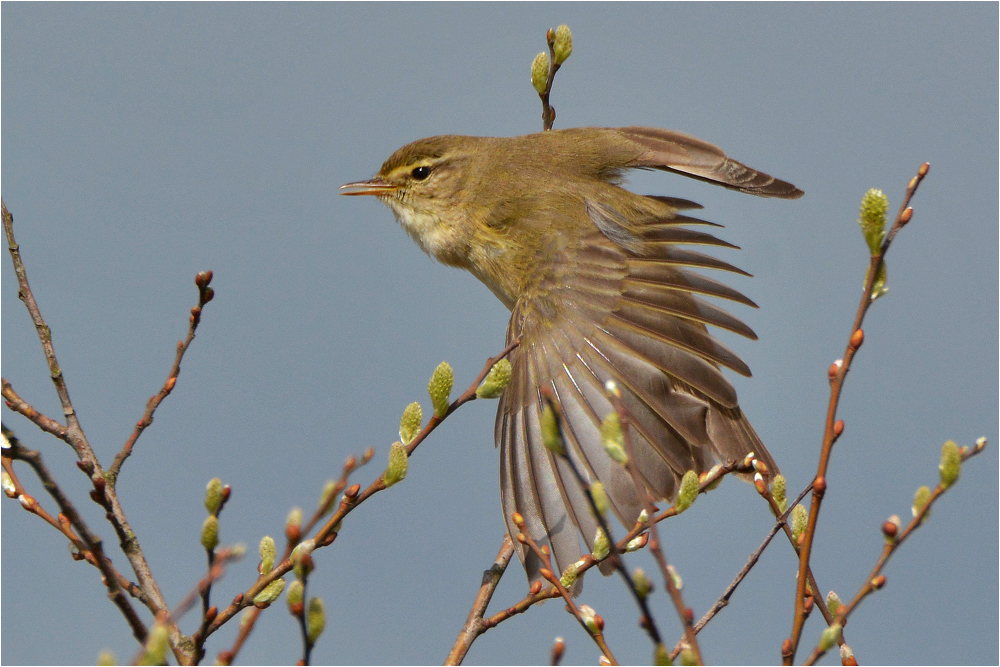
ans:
x=474 y=625
x=833 y=427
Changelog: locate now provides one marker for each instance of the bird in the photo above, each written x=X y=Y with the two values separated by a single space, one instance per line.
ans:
x=602 y=285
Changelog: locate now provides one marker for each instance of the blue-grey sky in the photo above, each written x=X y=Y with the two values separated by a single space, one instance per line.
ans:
x=144 y=143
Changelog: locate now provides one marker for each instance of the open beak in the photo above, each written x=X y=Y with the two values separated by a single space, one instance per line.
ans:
x=375 y=186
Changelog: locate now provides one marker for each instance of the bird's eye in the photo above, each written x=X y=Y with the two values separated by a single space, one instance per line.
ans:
x=421 y=172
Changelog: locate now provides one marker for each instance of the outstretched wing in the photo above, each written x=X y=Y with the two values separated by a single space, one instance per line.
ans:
x=683 y=154
x=619 y=305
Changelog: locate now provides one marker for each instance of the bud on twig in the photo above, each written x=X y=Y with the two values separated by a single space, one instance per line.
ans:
x=439 y=388
x=540 y=72
x=642 y=583
x=874 y=206
x=778 y=491
x=213 y=495
x=396 y=470
x=602 y=546
x=688 y=491
x=295 y=596
x=551 y=433
x=268 y=552
x=496 y=380
x=799 y=520
x=410 y=422
x=562 y=46
x=210 y=532
x=315 y=620
x=613 y=438
x=270 y=593
x=951 y=464
x=920 y=500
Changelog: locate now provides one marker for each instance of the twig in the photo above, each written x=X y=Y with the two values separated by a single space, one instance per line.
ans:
x=205 y=294
x=875 y=580
x=353 y=497
x=833 y=428
x=474 y=625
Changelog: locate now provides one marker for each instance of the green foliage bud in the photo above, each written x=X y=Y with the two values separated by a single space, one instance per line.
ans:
x=602 y=547
x=800 y=520
x=688 y=657
x=568 y=577
x=315 y=619
x=294 y=517
x=326 y=497
x=636 y=543
x=396 y=470
x=590 y=618
x=829 y=638
x=613 y=438
x=540 y=72
x=920 y=500
x=675 y=577
x=107 y=657
x=268 y=552
x=562 y=47
x=778 y=491
x=833 y=602
x=440 y=388
x=210 y=532
x=641 y=581
x=600 y=497
x=688 y=492
x=295 y=595
x=951 y=464
x=643 y=517
x=496 y=380
x=7 y=483
x=662 y=656
x=874 y=206
x=551 y=433
x=270 y=593
x=302 y=562
x=213 y=495
x=718 y=480
x=410 y=423
x=879 y=288
x=157 y=645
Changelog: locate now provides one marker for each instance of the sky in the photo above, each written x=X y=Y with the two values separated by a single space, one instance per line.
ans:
x=142 y=143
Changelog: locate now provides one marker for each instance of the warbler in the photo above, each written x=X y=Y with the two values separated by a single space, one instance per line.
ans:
x=599 y=283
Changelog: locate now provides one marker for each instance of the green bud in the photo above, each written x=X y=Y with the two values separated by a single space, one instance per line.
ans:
x=551 y=433
x=600 y=497
x=270 y=593
x=879 y=288
x=107 y=657
x=688 y=492
x=302 y=562
x=326 y=497
x=315 y=619
x=396 y=470
x=589 y=617
x=294 y=517
x=568 y=577
x=210 y=532
x=213 y=495
x=602 y=547
x=675 y=577
x=157 y=645
x=636 y=543
x=778 y=491
x=540 y=72
x=643 y=517
x=440 y=388
x=833 y=602
x=562 y=47
x=7 y=483
x=874 y=206
x=268 y=552
x=662 y=656
x=496 y=380
x=614 y=439
x=688 y=657
x=410 y=422
x=718 y=480
x=295 y=595
x=829 y=638
x=800 y=520
x=642 y=584
x=951 y=464
x=920 y=500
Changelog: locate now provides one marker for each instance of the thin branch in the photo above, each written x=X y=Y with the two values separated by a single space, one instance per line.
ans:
x=875 y=580
x=20 y=406
x=474 y=625
x=833 y=428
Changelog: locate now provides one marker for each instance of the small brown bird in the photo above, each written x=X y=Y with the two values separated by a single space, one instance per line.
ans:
x=599 y=286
